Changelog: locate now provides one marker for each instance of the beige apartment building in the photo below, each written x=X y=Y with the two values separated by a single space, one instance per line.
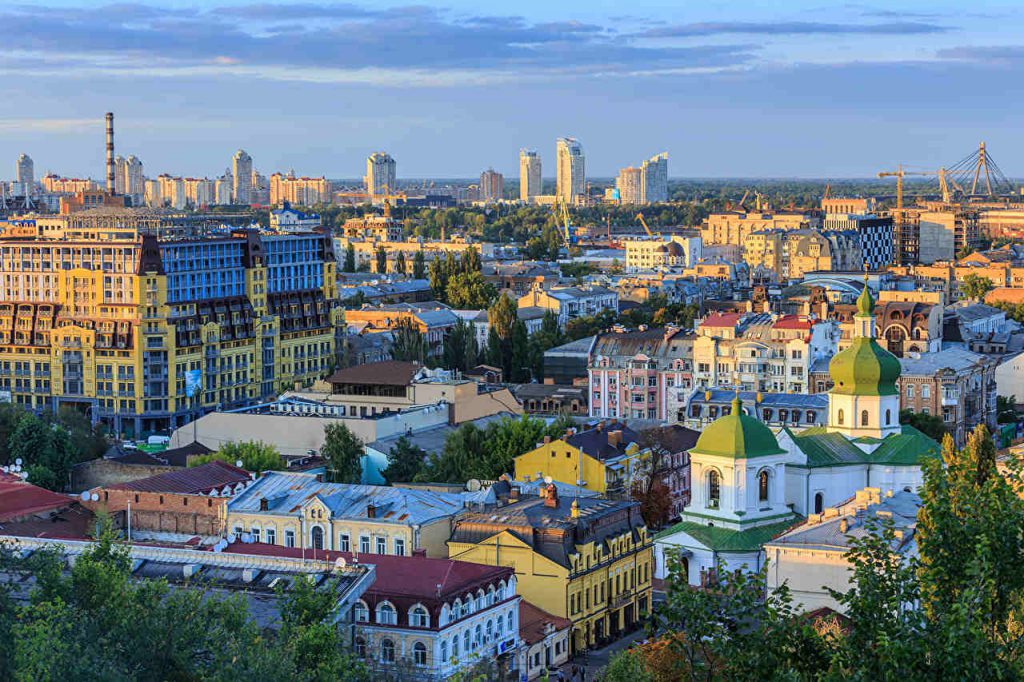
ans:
x=790 y=254
x=531 y=183
x=299 y=191
x=648 y=253
x=732 y=227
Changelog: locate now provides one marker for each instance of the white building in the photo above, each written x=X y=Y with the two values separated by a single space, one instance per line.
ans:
x=655 y=179
x=531 y=183
x=24 y=176
x=288 y=219
x=571 y=174
x=381 y=174
x=748 y=486
x=650 y=253
x=241 y=172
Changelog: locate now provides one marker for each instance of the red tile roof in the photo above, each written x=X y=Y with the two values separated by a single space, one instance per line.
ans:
x=19 y=500
x=532 y=621
x=794 y=322
x=387 y=373
x=200 y=479
x=722 y=320
x=400 y=576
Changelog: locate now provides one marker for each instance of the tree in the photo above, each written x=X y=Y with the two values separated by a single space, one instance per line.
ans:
x=400 y=263
x=254 y=455
x=931 y=425
x=1006 y=409
x=975 y=286
x=381 y=256
x=350 y=258
x=344 y=454
x=45 y=451
x=655 y=501
x=419 y=270
x=502 y=318
x=410 y=345
x=405 y=460
x=469 y=291
x=460 y=347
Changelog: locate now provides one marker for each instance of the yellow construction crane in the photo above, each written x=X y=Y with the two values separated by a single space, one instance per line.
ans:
x=640 y=217
x=744 y=200
x=828 y=191
x=945 y=181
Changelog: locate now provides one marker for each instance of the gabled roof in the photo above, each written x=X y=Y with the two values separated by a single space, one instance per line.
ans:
x=726 y=540
x=722 y=320
x=19 y=499
x=823 y=449
x=194 y=481
x=594 y=442
x=532 y=621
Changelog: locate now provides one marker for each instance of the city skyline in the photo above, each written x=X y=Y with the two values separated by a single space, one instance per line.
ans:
x=709 y=85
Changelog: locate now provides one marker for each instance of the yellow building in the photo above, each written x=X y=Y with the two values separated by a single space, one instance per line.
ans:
x=298 y=510
x=142 y=332
x=365 y=249
x=605 y=459
x=589 y=560
x=732 y=227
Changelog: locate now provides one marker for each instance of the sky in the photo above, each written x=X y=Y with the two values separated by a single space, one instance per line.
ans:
x=783 y=88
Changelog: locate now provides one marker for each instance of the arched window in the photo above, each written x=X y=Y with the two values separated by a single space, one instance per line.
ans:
x=714 y=488
x=811 y=416
x=509 y=621
x=419 y=653
x=762 y=486
x=465 y=642
x=478 y=634
x=362 y=614
x=819 y=503
x=863 y=417
x=839 y=417
x=489 y=630
x=490 y=596
x=444 y=650
x=317 y=537
x=360 y=647
x=455 y=646
x=888 y=417
x=386 y=614
x=387 y=651
x=418 y=617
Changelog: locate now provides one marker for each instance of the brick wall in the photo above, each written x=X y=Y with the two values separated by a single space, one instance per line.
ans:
x=167 y=512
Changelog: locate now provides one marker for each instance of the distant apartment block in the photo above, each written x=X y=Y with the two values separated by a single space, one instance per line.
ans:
x=531 y=183
x=241 y=171
x=492 y=186
x=381 y=174
x=299 y=191
x=571 y=175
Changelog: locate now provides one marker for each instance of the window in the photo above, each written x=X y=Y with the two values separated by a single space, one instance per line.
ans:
x=387 y=651
x=364 y=544
x=509 y=621
x=478 y=635
x=863 y=417
x=888 y=417
x=465 y=642
x=343 y=543
x=399 y=547
x=839 y=417
x=926 y=391
x=489 y=631
x=418 y=617
x=360 y=647
x=819 y=503
x=382 y=545
x=361 y=613
x=444 y=650
x=714 y=492
x=762 y=486
x=255 y=533
x=271 y=536
x=317 y=537
x=910 y=390
x=386 y=614
x=289 y=538
x=419 y=653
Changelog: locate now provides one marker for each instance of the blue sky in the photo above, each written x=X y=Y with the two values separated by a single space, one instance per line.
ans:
x=736 y=89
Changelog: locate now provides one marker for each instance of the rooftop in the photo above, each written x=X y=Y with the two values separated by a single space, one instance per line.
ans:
x=387 y=373
x=192 y=481
x=533 y=622
x=928 y=364
x=726 y=540
x=19 y=499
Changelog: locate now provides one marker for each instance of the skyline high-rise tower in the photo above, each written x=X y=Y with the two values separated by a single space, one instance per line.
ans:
x=571 y=176
x=241 y=172
x=381 y=174
x=531 y=183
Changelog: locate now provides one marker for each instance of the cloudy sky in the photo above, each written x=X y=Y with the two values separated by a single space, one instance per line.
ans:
x=805 y=88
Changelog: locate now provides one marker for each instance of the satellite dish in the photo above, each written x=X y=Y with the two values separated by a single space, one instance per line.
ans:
x=473 y=485
x=18 y=461
x=232 y=538
x=85 y=496
x=238 y=463
x=339 y=563
x=548 y=479
x=94 y=497
x=247 y=538
x=5 y=468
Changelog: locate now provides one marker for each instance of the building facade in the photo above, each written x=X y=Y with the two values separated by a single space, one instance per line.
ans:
x=531 y=183
x=492 y=186
x=145 y=333
x=381 y=174
x=241 y=172
x=570 y=171
x=649 y=253
x=655 y=179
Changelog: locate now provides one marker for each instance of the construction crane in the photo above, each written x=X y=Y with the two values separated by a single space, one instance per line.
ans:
x=828 y=191
x=562 y=215
x=946 y=181
x=744 y=200
x=640 y=217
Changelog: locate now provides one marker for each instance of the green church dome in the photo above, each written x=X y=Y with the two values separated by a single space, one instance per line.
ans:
x=865 y=303
x=737 y=435
x=865 y=368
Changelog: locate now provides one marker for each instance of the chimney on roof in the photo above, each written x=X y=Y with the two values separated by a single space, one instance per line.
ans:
x=615 y=438
x=371 y=511
x=551 y=496
x=547 y=439
x=264 y=504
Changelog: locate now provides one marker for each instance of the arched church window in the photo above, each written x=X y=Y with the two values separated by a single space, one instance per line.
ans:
x=888 y=417
x=714 y=489
x=863 y=417
x=819 y=503
x=839 y=417
x=762 y=486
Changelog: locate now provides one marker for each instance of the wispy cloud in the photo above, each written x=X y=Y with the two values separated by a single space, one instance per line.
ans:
x=47 y=125
x=987 y=54
x=790 y=28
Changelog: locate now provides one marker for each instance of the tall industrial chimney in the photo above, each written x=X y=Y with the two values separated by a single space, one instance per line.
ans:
x=110 y=152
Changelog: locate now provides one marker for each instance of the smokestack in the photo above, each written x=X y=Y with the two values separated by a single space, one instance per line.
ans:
x=110 y=152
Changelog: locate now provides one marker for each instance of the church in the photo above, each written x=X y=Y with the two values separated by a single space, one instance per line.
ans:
x=749 y=484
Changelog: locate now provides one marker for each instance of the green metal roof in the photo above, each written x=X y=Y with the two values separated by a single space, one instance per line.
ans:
x=824 y=449
x=726 y=540
x=865 y=368
x=737 y=435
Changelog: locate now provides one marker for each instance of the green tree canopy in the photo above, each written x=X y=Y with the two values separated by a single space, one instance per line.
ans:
x=975 y=287
x=344 y=454
x=405 y=461
x=254 y=455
